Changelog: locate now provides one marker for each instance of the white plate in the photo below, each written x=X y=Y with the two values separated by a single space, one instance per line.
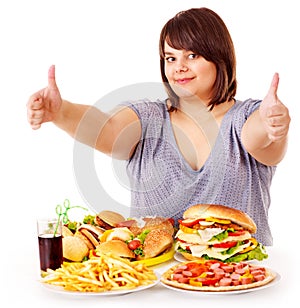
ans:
x=179 y=257
x=268 y=285
x=58 y=289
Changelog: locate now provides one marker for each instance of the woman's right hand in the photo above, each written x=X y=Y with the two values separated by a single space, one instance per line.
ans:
x=44 y=105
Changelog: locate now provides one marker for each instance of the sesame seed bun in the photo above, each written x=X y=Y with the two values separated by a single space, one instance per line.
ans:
x=152 y=223
x=221 y=212
x=156 y=242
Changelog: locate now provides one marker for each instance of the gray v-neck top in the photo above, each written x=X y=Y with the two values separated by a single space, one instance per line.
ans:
x=163 y=183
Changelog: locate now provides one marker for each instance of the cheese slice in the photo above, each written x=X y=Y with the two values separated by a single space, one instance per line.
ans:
x=208 y=233
x=198 y=251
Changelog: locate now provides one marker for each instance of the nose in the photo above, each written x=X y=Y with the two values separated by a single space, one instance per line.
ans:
x=181 y=67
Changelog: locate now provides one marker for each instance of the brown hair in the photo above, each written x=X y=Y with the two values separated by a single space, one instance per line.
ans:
x=203 y=32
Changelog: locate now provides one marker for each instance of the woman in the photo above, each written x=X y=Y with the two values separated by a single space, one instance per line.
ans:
x=200 y=145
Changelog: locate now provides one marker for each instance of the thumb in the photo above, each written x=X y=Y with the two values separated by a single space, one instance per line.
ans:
x=51 y=78
x=274 y=86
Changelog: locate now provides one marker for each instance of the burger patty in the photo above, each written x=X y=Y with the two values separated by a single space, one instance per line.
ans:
x=103 y=224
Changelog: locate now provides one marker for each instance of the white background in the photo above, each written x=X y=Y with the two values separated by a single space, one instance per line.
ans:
x=98 y=47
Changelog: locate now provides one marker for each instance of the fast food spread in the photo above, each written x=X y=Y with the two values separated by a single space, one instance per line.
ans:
x=216 y=276
x=107 y=252
x=109 y=232
x=210 y=231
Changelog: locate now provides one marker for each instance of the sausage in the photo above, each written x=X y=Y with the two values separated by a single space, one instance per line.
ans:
x=246 y=280
x=259 y=277
x=235 y=276
x=224 y=282
x=187 y=273
x=227 y=268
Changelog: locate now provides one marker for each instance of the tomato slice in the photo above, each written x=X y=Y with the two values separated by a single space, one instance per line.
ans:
x=196 y=268
x=236 y=233
x=225 y=245
x=189 y=222
x=172 y=221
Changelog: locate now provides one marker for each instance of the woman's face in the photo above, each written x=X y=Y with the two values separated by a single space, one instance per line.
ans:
x=189 y=74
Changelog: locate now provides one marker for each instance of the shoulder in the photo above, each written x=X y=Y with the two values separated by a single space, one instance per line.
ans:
x=246 y=108
x=146 y=109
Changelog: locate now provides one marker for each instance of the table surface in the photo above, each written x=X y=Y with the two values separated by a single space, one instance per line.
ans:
x=22 y=285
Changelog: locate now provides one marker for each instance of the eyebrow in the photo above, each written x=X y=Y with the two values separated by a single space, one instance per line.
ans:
x=168 y=53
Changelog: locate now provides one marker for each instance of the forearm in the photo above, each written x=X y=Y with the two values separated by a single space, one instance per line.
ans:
x=82 y=122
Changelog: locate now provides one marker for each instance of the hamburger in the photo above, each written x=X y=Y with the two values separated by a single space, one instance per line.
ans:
x=108 y=219
x=74 y=248
x=211 y=231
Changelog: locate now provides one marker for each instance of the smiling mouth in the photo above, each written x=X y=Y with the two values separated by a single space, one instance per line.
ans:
x=183 y=81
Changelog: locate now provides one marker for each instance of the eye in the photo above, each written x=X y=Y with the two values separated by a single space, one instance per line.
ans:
x=192 y=56
x=169 y=59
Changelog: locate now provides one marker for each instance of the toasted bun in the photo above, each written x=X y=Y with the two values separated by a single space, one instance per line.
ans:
x=222 y=212
x=66 y=231
x=152 y=223
x=74 y=248
x=156 y=242
x=108 y=219
x=115 y=247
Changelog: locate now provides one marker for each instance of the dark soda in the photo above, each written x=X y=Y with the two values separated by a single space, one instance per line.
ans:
x=51 y=251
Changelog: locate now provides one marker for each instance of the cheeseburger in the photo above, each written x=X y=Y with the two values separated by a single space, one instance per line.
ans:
x=210 y=231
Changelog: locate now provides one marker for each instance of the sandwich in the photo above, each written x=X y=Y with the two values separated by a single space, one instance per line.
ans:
x=90 y=234
x=218 y=232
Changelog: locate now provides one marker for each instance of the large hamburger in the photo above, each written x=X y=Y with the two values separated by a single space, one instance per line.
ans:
x=210 y=231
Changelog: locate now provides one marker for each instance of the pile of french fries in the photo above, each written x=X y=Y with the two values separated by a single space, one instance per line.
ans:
x=100 y=274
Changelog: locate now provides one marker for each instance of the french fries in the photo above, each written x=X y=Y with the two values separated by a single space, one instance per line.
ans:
x=105 y=272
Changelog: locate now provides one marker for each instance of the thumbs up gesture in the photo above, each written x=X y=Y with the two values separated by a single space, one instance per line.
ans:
x=44 y=105
x=274 y=114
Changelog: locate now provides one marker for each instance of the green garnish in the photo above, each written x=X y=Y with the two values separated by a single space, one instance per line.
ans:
x=64 y=214
x=89 y=219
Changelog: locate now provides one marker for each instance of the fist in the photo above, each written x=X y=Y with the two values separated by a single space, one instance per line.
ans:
x=274 y=114
x=44 y=105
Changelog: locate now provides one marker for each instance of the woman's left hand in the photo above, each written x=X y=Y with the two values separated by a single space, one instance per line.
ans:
x=274 y=114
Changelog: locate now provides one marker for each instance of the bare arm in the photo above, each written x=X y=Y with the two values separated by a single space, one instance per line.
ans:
x=115 y=134
x=265 y=133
